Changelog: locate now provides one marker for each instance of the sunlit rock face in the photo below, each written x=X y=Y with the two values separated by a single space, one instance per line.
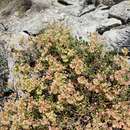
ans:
x=4 y=71
x=82 y=16
x=10 y=7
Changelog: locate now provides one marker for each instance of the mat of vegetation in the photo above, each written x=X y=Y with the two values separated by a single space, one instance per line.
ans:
x=71 y=85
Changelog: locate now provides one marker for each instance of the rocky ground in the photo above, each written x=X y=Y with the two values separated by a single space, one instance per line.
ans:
x=109 y=18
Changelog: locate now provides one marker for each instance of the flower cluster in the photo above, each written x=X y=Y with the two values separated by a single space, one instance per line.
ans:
x=71 y=84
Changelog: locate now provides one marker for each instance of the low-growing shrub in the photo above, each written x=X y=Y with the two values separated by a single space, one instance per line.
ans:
x=72 y=85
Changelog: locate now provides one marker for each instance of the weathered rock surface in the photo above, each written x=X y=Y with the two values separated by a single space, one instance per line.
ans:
x=118 y=38
x=15 y=6
x=82 y=16
x=108 y=24
x=36 y=22
x=38 y=5
x=121 y=11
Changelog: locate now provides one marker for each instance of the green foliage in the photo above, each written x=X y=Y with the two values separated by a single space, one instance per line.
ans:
x=72 y=85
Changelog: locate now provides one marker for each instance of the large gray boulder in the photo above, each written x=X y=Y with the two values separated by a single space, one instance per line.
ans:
x=34 y=23
x=39 y=5
x=82 y=16
x=20 y=7
x=77 y=10
x=88 y=23
x=118 y=38
x=14 y=6
x=121 y=11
